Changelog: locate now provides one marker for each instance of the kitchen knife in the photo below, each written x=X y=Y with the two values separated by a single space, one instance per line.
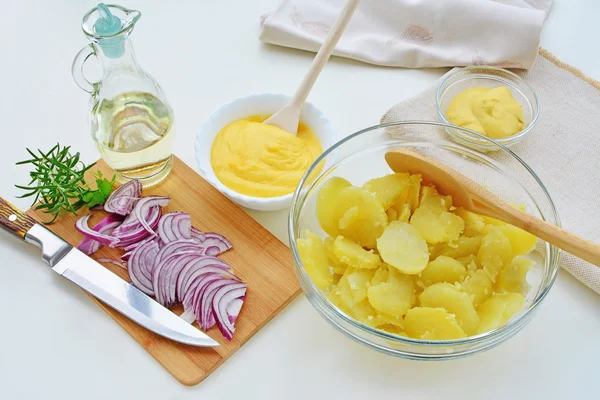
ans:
x=99 y=281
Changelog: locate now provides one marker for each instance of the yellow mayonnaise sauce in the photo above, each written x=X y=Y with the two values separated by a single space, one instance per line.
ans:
x=493 y=112
x=261 y=160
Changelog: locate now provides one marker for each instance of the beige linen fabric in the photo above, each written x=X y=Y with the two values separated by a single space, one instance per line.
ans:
x=416 y=33
x=563 y=148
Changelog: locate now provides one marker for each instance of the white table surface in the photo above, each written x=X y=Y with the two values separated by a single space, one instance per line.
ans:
x=55 y=343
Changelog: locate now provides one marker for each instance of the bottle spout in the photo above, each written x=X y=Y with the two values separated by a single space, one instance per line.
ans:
x=109 y=26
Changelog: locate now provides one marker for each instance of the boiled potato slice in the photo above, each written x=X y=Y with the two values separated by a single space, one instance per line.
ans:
x=434 y=223
x=351 y=254
x=389 y=189
x=362 y=218
x=474 y=223
x=495 y=253
x=427 y=191
x=365 y=313
x=443 y=269
x=461 y=247
x=432 y=324
x=513 y=277
x=448 y=297
x=392 y=214
x=414 y=191
x=403 y=248
x=404 y=212
x=358 y=282
x=393 y=297
x=479 y=287
x=498 y=309
x=521 y=242
x=381 y=275
x=334 y=262
x=314 y=259
x=327 y=204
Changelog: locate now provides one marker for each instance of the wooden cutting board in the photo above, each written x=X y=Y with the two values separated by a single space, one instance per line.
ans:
x=257 y=258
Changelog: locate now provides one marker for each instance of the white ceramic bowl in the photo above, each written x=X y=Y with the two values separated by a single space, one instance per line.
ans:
x=242 y=107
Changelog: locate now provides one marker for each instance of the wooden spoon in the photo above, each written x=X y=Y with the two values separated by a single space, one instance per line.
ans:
x=473 y=197
x=289 y=116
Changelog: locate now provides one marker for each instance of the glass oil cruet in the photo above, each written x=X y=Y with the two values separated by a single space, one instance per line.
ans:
x=131 y=120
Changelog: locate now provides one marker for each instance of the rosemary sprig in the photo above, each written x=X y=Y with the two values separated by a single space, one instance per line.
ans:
x=58 y=182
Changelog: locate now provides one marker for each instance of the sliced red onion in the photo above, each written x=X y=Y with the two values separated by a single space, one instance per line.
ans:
x=132 y=246
x=197 y=303
x=215 y=244
x=112 y=261
x=221 y=303
x=82 y=226
x=135 y=233
x=201 y=278
x=144 y=205
x=175 y=226
x=194 y=269
x=126 y=256
x=177 y=246
x=188 y=316
x=207 y=300
x=165 y=274
x=198 y=235
x=140 y=260
x=123 y=199
x=106 y=226
x=234 y=308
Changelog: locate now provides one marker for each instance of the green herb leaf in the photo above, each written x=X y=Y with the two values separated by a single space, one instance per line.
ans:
x=57 y=180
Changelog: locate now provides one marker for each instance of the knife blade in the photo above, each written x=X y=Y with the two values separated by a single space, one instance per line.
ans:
x=99 y=281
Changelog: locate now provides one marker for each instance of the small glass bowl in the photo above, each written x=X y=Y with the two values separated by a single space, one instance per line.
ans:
x=490 y=77
x=360 y=157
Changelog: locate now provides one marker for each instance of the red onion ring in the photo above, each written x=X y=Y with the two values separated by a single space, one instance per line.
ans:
x=122 y=200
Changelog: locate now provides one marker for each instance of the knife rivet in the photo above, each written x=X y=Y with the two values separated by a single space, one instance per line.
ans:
x=12 y=218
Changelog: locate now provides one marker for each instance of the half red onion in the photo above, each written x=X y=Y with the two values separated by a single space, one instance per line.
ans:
x=122 y=200
x=106 y=226
x=82 y=226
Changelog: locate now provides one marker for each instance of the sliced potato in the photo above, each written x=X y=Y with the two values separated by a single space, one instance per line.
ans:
x=513 y=277
x=403 y=248
x=393 y=297
x=478 y=286
x=362 y=218
x=314 y=259
x=389 y=188
x=451 y=299
x=495 y=253
x=498 y=309
x=327 y=204
x=521 y=242
x=434 y=223
x=432 y=324
x=474 y=223
x=351 y=254
x=443 y=269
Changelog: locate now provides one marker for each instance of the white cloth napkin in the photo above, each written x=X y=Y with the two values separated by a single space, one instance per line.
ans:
x=563 y=148
x=416 y=33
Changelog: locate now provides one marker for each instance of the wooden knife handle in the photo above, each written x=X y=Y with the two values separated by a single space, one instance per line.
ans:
x=14 y=220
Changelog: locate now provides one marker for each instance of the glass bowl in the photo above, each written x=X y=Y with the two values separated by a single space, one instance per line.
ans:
x=360 y=157
x=490 y=77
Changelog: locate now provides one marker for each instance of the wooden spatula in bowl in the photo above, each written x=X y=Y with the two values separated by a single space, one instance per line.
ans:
x=289 y=116
x=474 y=197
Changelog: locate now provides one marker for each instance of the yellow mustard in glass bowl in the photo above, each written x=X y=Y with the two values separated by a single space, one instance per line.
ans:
x=493 y=112
x=262 y=160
